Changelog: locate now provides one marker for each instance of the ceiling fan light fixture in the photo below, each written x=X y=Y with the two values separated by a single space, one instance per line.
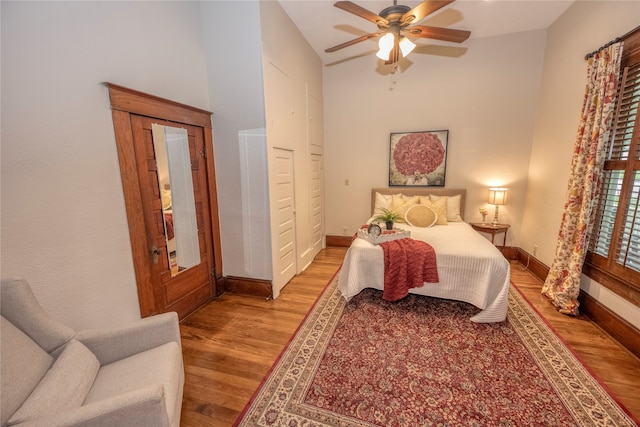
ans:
x=386 y=42
x=406 y=46
x=386 y=45
x=383 y=54
x=395 y=20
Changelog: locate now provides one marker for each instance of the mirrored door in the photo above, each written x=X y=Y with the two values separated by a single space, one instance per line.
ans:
x=165 y=151
x=172 y=176
x=173 y=165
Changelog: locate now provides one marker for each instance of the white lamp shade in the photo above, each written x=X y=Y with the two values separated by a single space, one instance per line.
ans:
x=406 y=46
x=383 y=54
x=386 y=45
x=386 y=42
x=498 y=196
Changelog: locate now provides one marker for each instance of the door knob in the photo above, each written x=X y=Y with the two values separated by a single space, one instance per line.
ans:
x=156 y=254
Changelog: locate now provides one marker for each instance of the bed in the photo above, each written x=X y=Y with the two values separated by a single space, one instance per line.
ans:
x=470 y=268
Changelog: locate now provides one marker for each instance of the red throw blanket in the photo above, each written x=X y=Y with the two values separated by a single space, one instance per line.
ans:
x=408 y=263
x=168 y=222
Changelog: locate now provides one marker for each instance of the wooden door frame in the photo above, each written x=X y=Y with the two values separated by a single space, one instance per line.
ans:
x=124 y=103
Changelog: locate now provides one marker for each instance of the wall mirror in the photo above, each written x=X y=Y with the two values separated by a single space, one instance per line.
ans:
x=171 y=147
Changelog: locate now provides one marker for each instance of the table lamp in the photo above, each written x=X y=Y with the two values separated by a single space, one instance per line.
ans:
x=497 y=197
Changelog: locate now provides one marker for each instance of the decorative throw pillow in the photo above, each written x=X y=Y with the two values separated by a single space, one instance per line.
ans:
x=453 y=206
x=23 y=363
x=439 y=207
x=401 y=203
x=421 y=216
x=63 y=387
x=383 y=201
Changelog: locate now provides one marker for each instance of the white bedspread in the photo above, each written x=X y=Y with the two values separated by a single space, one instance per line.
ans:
x=470 y=268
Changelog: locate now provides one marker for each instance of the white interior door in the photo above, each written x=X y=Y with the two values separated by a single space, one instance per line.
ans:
x=317 y=215
x=285 y=263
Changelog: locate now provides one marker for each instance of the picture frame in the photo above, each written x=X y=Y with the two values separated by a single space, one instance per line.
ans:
x=418 y=158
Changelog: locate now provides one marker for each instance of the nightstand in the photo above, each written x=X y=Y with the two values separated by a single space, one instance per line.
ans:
x=485 y=227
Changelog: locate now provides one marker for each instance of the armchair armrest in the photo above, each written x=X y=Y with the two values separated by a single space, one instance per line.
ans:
x=112 y=344
x=145 y=407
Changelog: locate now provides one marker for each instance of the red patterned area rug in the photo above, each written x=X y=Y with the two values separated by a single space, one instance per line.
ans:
x=420 y=361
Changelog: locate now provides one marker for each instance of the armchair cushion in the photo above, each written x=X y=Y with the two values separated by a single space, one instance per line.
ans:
x=64 y=386
x=22 y=365
x=112 y=344
x=160 y=365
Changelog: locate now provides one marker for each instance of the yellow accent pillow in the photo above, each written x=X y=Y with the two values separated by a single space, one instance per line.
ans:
x=421 y=216
x=439 y=207
x=401 y=203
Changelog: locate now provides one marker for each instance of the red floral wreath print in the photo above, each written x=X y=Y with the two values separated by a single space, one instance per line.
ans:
x=418 y=153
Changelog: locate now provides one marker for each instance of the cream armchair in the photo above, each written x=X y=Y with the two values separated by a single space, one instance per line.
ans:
x=51 y=375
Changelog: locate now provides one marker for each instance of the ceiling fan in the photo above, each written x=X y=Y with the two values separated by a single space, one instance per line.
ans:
x=395 y=27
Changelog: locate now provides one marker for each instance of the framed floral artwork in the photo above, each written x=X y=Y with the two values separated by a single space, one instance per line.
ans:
x=418 y=158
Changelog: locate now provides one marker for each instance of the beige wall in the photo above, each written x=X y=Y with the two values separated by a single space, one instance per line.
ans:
x=64 y=226
x=253 y=111
x=236 y=93
x=584 y=27
x=486 y=98
x=293 y=99
x=63 y=222
x=511 y=105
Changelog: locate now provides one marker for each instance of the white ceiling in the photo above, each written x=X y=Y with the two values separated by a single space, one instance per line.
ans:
x=324 y=25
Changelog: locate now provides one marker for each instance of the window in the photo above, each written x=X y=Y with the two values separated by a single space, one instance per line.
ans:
x=614 y=247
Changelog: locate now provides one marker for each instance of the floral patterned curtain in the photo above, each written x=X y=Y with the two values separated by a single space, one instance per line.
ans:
x=562 y=285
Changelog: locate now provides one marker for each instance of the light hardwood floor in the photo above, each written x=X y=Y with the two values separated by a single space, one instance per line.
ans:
x=230 y=344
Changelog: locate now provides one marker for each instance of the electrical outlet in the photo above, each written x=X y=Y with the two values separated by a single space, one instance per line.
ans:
x=345 y=231
x=535 y=250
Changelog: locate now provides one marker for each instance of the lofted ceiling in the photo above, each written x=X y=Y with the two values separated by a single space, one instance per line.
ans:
x=324 y=25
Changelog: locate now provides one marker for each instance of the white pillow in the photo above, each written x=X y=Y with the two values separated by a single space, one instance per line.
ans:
x=453 y=206
x=383 y=201
x=421 y=216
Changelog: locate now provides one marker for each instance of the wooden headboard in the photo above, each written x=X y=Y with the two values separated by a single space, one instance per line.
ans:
x=421 y=191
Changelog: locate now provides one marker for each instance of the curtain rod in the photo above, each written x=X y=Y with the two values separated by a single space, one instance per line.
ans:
x=616 y=40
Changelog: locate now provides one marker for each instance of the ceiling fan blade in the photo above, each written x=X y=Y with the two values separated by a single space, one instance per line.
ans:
x=425 y=8
x=438 y=33
x=354 y=41
x=362 y=12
